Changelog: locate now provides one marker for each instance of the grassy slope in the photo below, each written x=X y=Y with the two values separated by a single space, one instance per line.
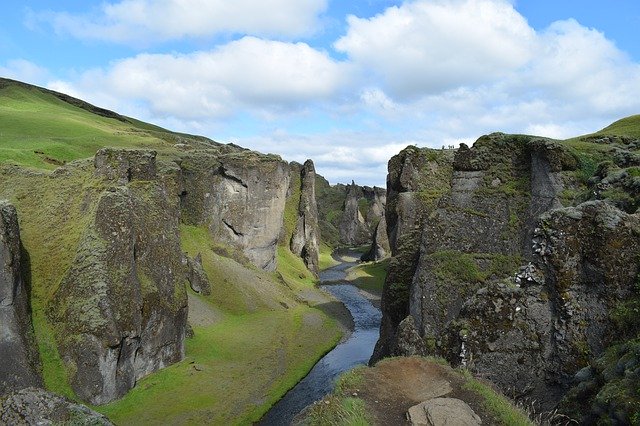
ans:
x=240 y=372
x=628 y=126
x=40 y=130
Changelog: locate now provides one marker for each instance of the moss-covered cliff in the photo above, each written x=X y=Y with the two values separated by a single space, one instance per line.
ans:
x=514 y=257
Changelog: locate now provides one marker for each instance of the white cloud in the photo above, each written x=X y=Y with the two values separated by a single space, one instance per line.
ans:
x=23 y=70
x=427 y=47
x=249 y=73
x=144 y=21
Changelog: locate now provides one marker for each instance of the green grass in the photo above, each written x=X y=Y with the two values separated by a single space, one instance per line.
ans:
x=325 y=259
x=369 y=276
x=628 y=126
x=234 y=371
x=40 y=130
x=341 y=408
x=503 y=409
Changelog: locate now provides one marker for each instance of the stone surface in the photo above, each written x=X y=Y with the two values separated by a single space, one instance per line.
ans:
x=19 y=365
x=489 y=271
x=240 y=196
x=33 y=407
x=196 y=275
x=120 y=312
x=443 y=412
x=380 y=243
x=306 y=234
x=125 y=165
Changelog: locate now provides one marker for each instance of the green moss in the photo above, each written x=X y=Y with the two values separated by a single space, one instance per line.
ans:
x=451 y=265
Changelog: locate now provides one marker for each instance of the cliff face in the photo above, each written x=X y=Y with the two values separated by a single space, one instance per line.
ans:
x=305 y=239
x=460 y=230
x=121 y=309
x=20 y=364
x=240 y=195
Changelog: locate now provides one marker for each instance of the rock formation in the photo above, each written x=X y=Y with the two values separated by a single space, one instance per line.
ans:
x=33 y=407
x=19 y=367
x=240 y=195
x=379 y=244
x=462 y=225
x=306 y=234
x=363 y=208
x=121 y=309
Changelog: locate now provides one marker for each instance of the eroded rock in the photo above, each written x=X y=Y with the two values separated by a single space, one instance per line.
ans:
x=19 y=365
x=37 y=407
x=305 y=239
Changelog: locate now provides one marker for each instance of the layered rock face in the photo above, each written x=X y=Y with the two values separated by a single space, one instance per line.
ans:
x=121 y=310
x=19 y=367
x=306 y=234
x=460 y=229
x=240 y=195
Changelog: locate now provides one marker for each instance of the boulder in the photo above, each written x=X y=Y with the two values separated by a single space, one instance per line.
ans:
x=37 y=407
x=443 y=412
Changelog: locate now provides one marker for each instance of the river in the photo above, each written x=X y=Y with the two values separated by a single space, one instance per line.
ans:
x=357 y=349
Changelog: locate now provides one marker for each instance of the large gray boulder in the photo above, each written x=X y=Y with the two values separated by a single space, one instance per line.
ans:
x=19 y=365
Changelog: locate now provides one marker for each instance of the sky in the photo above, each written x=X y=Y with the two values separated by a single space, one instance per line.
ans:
x=345 y=83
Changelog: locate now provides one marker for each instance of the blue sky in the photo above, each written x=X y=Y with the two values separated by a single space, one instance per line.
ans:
x=347 y=84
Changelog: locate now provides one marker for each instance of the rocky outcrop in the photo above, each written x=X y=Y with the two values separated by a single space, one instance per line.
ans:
x=197 y=277
x=363 y=208
x=380 y=243
x=19 y=367
x=240 y=196
x=306 y=234
x=33 y=407
x=120 y=312
x=534 y=335
x=495 y=207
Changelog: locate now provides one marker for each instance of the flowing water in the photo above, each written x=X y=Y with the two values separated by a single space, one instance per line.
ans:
x=357 y=349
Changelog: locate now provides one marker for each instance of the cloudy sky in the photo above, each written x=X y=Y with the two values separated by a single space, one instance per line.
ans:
x=346 y=83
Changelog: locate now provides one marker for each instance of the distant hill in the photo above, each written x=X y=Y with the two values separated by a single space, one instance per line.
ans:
x=43 y=129
x=629 y=126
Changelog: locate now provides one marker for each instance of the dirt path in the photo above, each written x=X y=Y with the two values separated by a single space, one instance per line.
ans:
x=392 y=386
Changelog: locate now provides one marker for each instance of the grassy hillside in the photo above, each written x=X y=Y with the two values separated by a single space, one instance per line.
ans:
x=629 y=126
x=43 y=129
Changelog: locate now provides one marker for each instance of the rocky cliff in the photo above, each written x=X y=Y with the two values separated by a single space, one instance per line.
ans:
x=240 y=196
x=119 y=310
x=305 y=239
x=489 y=270
x=20 y=362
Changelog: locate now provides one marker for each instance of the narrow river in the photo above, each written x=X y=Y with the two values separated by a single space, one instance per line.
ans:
x=356 y=350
